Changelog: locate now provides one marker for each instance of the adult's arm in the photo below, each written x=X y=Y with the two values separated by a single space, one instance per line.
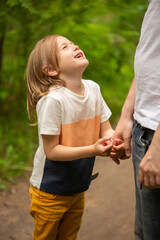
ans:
x=125 y=124
x=149 y=169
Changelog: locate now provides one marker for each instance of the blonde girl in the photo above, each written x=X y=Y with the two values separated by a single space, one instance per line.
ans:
x=73 y=128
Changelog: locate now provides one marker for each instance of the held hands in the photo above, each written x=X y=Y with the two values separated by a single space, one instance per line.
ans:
x=122 y=140
x=118 y=150
x=103 y=147
x=109 y=147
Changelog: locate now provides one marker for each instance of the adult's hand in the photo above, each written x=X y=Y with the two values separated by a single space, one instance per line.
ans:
x=125 y=124
x=124 y=132
x=149 y=169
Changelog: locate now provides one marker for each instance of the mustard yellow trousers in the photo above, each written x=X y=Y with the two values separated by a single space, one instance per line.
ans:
x=56 y=217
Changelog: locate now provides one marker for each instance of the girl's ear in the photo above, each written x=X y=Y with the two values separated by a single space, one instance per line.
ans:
x=50 y=71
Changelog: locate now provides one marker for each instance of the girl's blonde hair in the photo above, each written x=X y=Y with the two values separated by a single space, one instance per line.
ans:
x=44 y=54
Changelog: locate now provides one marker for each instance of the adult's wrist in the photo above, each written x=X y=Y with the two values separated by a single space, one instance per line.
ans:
x=126 y=113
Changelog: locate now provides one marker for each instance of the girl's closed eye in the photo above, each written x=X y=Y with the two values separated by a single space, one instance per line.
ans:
x=64 y=47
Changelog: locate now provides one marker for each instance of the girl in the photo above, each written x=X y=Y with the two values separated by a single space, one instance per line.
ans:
x=72 y=116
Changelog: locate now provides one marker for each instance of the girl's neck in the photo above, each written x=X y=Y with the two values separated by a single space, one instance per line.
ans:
x=74 y=83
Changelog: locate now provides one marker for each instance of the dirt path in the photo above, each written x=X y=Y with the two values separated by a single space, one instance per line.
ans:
x=109 y=212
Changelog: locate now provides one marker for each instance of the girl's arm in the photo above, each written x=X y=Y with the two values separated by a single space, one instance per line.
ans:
x=106 y=130
x=56 y=152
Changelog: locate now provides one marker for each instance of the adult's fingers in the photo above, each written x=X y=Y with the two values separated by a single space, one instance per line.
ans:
x=146 y=181
x=152 y=181
x=140 y=176
x=158 y=181
x=119 y=147
x=127 y=147
x=114 y=157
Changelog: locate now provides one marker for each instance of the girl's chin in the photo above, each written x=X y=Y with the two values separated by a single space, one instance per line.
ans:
x=86 y=62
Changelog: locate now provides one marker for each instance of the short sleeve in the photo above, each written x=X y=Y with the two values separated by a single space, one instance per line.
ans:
x=105 y=111
x=49 y=116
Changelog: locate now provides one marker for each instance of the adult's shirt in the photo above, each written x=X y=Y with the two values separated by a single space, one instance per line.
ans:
x=147 y=69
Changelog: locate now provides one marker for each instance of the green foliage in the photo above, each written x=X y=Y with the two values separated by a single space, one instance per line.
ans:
x=17 y=146
x=107 y=31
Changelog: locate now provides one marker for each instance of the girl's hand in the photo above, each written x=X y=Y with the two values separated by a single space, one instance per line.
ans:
x=118 y=150
x=103 y=147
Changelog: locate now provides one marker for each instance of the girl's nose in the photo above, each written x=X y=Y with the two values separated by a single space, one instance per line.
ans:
x=76 y=47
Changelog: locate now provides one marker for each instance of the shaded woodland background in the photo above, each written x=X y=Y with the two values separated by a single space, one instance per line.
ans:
x=107 y=31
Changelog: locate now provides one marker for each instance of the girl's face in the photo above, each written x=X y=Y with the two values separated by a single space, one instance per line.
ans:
x=70 y=57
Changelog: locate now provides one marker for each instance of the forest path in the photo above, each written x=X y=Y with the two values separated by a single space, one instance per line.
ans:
x=109 y=211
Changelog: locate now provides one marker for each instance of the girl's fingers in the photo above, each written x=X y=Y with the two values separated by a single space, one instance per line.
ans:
x=108 y=141
x=104 y=140
x=108 y=147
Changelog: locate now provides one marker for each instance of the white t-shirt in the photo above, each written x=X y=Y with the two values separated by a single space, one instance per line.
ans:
x=147 y=69
x=77 y=120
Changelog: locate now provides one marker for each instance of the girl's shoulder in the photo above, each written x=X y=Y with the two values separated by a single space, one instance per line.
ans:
x=90 y=84
x=54 y=95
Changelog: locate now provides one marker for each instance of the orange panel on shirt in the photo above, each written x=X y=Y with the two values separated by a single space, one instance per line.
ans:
x=81 y=133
